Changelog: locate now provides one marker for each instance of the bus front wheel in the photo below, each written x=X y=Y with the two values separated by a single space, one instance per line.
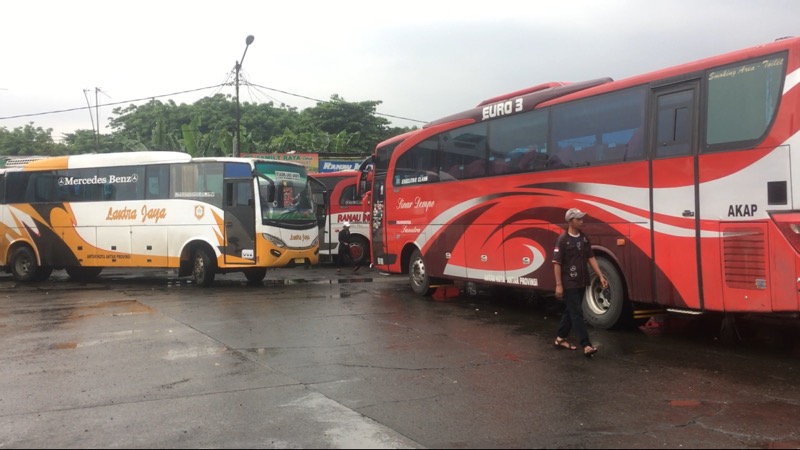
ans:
x=420 y=281
x=605 y=308
x=203 y=267
x=23 y=264
x=359 y=250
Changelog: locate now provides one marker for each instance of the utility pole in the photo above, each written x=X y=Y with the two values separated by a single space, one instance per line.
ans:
x=97 y=114
x=237 y=67
x=89 y=107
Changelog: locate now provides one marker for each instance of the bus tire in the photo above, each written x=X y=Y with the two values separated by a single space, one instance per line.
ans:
x=23 y=264
x=255 y=275
x=203 y=267
x=420 y=281
x=604 y=308
x=82 y=274
x=359 y=250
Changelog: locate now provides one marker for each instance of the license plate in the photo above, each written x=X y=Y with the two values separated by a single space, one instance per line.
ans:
x=299 y=261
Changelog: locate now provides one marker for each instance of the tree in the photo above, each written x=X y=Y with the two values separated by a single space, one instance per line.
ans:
x=206 y=127
x=358 y=120
x=30 y=141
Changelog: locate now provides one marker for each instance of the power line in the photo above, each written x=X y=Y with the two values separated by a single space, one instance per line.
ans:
x=186 y=92
x=107 y=104
x=328 y=101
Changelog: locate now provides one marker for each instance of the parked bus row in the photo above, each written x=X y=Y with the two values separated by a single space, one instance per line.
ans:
x=687 y=175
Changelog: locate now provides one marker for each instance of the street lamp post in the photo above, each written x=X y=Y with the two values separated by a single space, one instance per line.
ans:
x=237 y=67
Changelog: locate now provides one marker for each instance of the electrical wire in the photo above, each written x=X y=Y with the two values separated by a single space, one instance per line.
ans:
x=218 y=87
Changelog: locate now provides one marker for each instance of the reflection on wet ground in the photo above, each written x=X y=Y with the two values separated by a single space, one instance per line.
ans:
x=135 y=356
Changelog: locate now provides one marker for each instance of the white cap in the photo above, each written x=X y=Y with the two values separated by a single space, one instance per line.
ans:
x=346 y=224
x=574 y=213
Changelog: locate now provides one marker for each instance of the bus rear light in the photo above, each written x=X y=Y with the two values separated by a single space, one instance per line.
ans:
x=789 y=226
x=798 y=284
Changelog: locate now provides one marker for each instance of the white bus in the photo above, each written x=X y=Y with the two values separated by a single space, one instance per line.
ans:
x=201 y=216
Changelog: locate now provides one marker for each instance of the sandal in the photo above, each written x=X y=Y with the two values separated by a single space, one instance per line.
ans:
x=562 y=343
x=589 y=350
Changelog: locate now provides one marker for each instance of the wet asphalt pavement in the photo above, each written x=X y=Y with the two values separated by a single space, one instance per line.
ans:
x=312 y=359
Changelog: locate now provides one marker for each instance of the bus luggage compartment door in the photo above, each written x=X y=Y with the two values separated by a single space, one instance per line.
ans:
x=745 y=266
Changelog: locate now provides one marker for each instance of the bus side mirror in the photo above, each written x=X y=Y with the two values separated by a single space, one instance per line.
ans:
x=271 y=194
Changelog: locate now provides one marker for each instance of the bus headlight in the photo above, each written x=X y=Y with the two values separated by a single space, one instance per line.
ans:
x=277 y=242
x=316 y=242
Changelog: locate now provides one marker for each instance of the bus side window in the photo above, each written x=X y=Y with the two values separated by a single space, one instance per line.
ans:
x=157 y=184
x=108 y=192
x=635 y=148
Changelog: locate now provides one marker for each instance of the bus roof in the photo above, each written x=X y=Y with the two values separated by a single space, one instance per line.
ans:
x=530 y=97
x=107 y=160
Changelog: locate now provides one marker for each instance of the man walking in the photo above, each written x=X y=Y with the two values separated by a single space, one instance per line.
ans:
x=571 y=255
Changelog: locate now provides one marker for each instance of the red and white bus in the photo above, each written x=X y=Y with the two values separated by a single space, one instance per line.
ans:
x=687 y=174
x=344 y=204
x=201 y=216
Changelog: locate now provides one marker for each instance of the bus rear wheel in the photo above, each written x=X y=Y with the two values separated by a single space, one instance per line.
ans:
x=203 y=267
x=605 y=308
x=83 y=273
x=23 y=265
x=420 y=281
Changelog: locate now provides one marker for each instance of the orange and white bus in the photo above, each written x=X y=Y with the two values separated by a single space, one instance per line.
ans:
x=688 y=174
x=201 y=216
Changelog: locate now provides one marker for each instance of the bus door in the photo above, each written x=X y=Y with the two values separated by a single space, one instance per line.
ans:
x=240 y=222
x=321 y=198
x=674 y=210
x=378 y=222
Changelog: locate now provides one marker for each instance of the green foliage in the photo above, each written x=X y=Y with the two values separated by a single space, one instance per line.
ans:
x=30 y=141
x=206 y=128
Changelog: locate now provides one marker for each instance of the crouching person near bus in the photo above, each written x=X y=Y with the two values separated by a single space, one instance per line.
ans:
x=570 y=257
x=344 y=248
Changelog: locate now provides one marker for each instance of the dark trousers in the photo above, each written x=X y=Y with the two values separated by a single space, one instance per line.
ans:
x=344 y=256
x=573 y=316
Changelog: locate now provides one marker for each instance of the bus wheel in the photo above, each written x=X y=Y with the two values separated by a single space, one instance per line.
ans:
x=359 y=250
x=420 y=281
x=23 y=264
x=255 y=275
x=603 y=308
x=203 y=268
x=81 y=274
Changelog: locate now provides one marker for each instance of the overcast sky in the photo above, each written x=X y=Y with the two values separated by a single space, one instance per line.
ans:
x=422 y=59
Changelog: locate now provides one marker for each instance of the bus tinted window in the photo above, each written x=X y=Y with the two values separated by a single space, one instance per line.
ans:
x=742 y=101
x=418 y=164
x=201 y=181
x=122 y=183
x=348 y=196
x=518 y=143
x=464 y=151
x=599 y=129
x=157 y=184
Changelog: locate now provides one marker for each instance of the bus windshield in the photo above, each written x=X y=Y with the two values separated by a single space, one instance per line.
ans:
x=285 y=193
